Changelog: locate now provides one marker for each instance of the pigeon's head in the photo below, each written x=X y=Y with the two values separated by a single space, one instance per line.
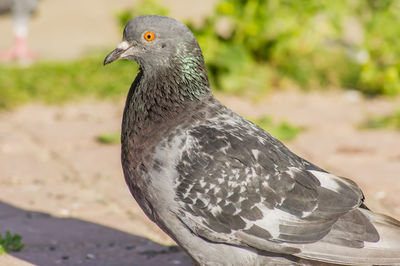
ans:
x=157 y=42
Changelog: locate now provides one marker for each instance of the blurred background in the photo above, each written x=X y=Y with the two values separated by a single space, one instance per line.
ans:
x=322 y=76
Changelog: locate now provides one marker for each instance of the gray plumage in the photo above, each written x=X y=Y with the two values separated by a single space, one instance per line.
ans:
x=225 y=190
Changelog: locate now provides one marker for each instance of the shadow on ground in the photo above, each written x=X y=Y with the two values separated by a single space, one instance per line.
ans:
x=51 y=240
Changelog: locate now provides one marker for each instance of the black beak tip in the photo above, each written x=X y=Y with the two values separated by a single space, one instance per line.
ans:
x=114 y=55
x=107 y=60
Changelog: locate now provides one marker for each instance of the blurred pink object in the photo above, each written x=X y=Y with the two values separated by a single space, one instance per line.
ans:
x=21 y=10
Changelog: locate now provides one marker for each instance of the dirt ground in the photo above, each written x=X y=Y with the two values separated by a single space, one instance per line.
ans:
x=64 y=192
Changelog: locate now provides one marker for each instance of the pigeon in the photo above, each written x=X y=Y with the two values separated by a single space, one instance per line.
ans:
x=21 y=10
x=224 y=189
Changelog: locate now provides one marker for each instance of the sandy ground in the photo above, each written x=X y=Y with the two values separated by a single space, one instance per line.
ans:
x=64 y=192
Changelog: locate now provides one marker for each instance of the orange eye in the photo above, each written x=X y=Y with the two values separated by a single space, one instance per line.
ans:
x=149 y=36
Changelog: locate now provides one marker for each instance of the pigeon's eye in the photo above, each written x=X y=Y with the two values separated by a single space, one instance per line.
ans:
x=149 y=36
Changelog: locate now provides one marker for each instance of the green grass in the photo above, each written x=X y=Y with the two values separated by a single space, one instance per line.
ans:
x=57 y=82
x=282 y=131
x=10 y=242
x=391 y=121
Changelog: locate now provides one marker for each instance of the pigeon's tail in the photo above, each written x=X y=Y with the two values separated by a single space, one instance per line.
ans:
x=387 y=249
x=384 y=250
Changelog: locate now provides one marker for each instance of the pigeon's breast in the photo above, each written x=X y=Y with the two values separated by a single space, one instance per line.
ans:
x=149 y=165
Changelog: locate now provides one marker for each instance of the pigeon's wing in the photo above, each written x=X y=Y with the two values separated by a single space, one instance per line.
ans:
x=236 y=184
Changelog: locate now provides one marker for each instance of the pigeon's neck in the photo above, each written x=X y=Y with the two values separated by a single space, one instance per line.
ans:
x=158 y=97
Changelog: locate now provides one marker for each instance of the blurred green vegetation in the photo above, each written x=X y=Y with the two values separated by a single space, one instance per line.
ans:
x=391 y=121
x=10 y=242
x=282 y=131
x=310 y=44
x=109 y=138
x=56 y=82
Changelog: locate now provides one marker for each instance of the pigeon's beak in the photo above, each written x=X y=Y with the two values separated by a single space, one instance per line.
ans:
x=118 y=52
